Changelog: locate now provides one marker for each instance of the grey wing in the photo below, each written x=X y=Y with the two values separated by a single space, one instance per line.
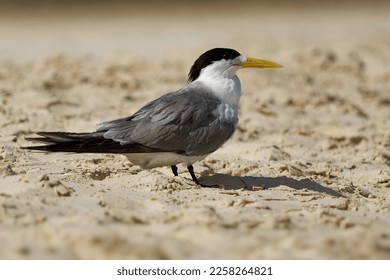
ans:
x=187 y=122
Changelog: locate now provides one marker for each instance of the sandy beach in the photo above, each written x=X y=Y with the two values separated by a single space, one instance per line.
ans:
x=305 y=176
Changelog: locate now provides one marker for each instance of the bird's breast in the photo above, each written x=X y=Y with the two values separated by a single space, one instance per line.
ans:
x=152 y=160
x=228 y=113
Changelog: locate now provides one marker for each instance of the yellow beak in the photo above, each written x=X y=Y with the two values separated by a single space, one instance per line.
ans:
x=259 y=63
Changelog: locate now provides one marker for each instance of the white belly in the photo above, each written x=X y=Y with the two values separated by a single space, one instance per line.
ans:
x=152 y=160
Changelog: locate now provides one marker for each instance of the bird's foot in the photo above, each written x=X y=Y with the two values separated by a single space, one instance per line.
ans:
x=193 y=177
x=174 y=170
x=196 y=180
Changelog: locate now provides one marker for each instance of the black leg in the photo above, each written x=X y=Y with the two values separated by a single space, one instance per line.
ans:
x=174 y=170
x=191 y=170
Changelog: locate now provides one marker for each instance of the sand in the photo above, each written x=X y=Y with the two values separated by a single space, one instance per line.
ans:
x=306 y=175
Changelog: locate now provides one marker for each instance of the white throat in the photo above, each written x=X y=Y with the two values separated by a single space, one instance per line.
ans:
x=222 y=81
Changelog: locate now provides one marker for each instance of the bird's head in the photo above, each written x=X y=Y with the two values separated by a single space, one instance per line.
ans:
x=225 y=62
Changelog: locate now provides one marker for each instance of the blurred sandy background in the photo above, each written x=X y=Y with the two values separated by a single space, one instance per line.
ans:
x=306 y=176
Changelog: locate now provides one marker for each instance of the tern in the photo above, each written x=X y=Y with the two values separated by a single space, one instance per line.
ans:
x=183 y=126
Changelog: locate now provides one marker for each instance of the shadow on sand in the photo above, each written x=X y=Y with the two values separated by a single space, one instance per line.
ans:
x=237 y=182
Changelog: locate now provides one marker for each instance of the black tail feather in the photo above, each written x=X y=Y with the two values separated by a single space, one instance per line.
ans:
x=84 y=143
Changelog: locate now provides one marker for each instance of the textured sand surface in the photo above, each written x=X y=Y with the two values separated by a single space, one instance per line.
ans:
x=307 y=174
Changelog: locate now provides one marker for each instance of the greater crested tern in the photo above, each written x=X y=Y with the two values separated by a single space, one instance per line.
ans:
x=183 y=126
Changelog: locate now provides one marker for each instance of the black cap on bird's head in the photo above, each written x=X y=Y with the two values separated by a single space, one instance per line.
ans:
x=219 y=54
x=209 y=57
